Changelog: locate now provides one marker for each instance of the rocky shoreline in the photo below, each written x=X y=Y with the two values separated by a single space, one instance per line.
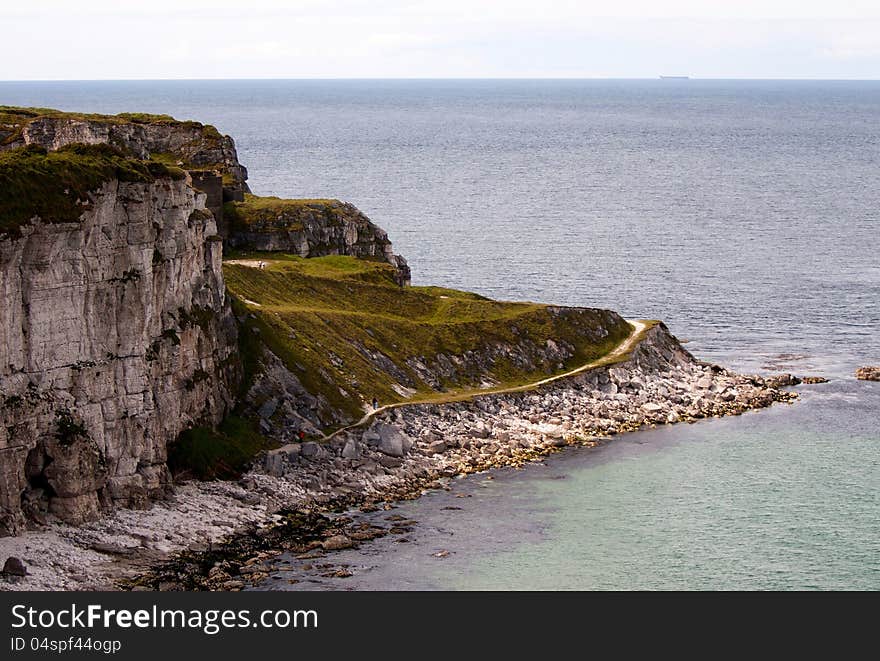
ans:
x=225 y=535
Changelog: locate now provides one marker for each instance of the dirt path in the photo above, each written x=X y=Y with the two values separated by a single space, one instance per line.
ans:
x=622 y=348
x=250 y=263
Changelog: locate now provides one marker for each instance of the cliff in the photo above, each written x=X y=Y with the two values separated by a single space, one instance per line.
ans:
x=115 y=330
x=189 y=145
x=121 y=353
x=310 y=228
x=306 y=227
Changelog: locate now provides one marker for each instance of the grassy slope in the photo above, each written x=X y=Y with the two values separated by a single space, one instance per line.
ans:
x=314 y=312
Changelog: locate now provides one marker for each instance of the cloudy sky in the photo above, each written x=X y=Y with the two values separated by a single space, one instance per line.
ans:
x=115 y=39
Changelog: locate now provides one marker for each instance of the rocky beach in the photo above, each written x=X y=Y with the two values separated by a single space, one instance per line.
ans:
x=225 y=534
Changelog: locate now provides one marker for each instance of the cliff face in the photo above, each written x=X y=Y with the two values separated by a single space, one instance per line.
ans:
x=191 y=145
x=209 y=158
x=310 y=228
x=115 y=335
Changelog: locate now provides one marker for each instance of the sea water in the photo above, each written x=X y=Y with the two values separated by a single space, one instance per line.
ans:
x=743 y=213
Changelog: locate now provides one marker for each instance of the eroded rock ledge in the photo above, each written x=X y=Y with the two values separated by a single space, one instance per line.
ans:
x=309 y=228
x=306 y=227
x=191 y=145
x=403 y=452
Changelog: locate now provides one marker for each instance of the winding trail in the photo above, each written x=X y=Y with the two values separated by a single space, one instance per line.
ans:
x=621 y=349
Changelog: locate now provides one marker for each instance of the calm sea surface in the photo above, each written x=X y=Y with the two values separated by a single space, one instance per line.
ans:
x=744 y=214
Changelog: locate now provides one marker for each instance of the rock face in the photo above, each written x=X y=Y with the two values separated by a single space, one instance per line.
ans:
x=868 y=373
x=115 y=335
x=210 y=157
x=310 y=228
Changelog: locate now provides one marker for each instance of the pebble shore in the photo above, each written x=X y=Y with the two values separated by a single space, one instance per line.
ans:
x=224 y=535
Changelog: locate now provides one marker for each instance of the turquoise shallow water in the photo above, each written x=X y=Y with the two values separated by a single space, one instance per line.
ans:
x=743 y=213
x=724 y=506
x=779 y=499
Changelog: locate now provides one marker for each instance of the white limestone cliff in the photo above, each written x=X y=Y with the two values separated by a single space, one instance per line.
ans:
x=115 y=335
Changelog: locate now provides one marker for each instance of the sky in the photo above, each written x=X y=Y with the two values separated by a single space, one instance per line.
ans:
x=160 y=39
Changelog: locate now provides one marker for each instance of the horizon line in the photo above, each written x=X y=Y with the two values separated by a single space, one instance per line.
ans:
x=666 y=77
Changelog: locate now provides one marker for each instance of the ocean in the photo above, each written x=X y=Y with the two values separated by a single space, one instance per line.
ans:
x=743 y=213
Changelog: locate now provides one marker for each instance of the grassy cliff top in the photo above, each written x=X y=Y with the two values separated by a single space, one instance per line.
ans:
x=350 y=333
x=13 y=119
x=275 y=213
x=55 y=185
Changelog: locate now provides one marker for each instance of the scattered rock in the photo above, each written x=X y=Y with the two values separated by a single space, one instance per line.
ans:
x=267 y=410
x=436 y=447
x=350 y=451
x=352 y=470
x=110 y=549
x=337 y=543
x=275 y=462
x=481 y=430
x=392 y=441
x=390 y=462
x=782 y=380
x=14 y=567
x=313 y=450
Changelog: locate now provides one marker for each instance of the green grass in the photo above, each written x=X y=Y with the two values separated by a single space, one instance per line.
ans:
x=168 y=158
x=223 y=453
x=324 y=316
x=55 y=185
x=20 y=116
x=274 y=204
x=267 y=214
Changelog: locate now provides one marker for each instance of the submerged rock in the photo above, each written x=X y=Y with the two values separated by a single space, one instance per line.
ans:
x=782 y=380
x=337 y=543
x=868 y=373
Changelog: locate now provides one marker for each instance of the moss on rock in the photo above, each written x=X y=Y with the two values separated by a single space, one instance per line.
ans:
x=55 y=186
x=268 y=214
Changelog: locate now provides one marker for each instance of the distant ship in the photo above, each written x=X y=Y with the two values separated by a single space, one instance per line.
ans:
x=675 y=77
